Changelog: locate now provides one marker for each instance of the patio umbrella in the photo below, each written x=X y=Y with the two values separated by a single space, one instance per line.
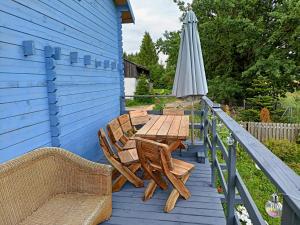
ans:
x=190 y=78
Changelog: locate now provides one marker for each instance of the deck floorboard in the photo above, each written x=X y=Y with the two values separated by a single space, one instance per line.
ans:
x=203 y=208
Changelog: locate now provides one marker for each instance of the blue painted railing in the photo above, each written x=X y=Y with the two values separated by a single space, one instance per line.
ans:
x=284 y=178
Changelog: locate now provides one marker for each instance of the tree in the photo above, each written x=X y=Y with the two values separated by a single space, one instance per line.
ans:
x=244 y=39
x=224 y=89
x=147 y=55
x=169 y=45
x=131 y=57
x=143 y=88
x=261 y=94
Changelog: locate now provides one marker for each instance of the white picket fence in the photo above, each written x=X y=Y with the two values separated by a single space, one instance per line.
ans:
x=277 y=131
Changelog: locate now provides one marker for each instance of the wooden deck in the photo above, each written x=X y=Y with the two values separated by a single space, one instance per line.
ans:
x=204 y=207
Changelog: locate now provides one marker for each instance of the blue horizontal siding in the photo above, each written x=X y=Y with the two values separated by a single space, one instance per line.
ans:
x=87 y=97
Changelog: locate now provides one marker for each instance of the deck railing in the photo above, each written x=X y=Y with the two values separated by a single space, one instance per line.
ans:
x=284 y=178
x=234 y=189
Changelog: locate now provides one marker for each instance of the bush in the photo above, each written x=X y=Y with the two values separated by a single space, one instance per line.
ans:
x=249 y=115
x=143 y=88
x=265 y=115
x=162 y=91
x=288 y=152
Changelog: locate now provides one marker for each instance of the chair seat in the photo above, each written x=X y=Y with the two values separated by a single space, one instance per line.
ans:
x=180 y=168
x=71 y=209
x=128 y=156
x=129 y=145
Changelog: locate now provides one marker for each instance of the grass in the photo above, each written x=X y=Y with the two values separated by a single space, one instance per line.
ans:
x=257 y=183
x=133 y=102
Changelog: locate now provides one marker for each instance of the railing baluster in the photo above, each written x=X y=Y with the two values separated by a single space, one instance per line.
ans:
x=213 y=150
x=231 y=180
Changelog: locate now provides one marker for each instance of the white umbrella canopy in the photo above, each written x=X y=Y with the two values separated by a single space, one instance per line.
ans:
x=190 y=78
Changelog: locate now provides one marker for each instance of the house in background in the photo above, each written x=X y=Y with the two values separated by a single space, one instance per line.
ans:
x=61 y=73
x=132 y=72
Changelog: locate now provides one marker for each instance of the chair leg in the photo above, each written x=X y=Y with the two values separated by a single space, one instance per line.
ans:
x=173 y=197
x=150 y=190
x=136 y=181
x=121 y=180
x=156 y=176
x=179 y=185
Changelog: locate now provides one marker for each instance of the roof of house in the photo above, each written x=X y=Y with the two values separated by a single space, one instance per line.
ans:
x=127 y=13
x=133 y=70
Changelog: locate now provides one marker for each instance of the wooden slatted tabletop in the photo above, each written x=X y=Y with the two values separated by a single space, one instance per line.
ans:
x=165 y=127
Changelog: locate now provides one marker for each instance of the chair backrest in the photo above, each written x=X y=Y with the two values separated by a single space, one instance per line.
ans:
x=173 y=111
x=105 y=145
x=151 y=152
x=125 y=124
x=139 y=117
x=115 y=131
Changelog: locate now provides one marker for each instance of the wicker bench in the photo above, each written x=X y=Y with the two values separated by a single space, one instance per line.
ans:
x=54 y=186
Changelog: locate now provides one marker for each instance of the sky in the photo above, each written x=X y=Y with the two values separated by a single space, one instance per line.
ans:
x=153 y=16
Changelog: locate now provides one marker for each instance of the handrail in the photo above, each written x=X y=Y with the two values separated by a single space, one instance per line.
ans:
x=284 y=178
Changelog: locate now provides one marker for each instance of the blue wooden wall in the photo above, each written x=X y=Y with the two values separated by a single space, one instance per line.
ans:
x=86 y=96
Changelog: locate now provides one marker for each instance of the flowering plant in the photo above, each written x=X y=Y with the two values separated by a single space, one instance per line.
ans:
x=243 y=215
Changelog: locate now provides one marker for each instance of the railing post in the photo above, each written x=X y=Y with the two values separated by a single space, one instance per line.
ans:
x=213 y=152
x=231 y=180
x=122 y=104
x=289 y=217
x=205 y=127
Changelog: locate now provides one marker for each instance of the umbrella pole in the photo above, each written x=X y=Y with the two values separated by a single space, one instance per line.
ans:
x=193 y=141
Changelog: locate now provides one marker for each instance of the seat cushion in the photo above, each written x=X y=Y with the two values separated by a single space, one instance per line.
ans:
x=72 y=209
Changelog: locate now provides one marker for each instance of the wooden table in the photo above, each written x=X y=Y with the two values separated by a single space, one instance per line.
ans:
x=166 y=128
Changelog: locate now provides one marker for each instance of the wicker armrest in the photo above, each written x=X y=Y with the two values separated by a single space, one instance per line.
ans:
x=31 y=180
x=81 y=175
x=84 y=164
x=62 y=170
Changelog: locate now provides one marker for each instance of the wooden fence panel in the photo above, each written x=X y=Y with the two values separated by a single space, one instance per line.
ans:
x=277 y=131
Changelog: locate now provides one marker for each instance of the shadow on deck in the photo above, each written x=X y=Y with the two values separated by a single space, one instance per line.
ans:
x=204 y=207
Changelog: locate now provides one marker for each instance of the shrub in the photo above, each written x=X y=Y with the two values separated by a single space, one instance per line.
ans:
x=288 y=152
x=143 y=88
x=249 y=115
x=265 y=115
x=227 y=109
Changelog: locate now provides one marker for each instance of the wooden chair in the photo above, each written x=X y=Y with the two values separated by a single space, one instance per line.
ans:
x=139 y=117
x=173 y=112
x=176 y=112
x=126 y=125
x=156 y=160
x=118 y=138
x=126 y=163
